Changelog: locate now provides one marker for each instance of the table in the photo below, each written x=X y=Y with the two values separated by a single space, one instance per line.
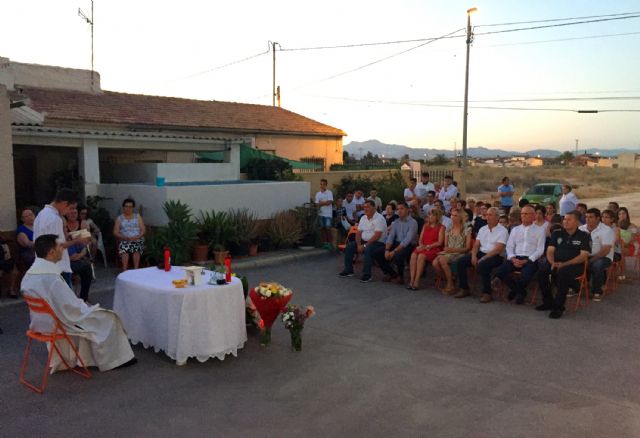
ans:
x=203 y=321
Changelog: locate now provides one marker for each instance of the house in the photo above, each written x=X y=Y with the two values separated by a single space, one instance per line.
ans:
x=533 y=162
x=58 y=127
x=592 y=160
x=628 y=160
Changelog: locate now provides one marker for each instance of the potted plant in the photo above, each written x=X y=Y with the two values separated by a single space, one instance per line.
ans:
x=219 y=254
x=245 y=232
x=216 y=229
x=178 y=234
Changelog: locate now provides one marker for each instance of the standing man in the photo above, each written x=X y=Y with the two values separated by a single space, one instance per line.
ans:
x=569 y=200
x=424 y=187
x=485 y=255
x=524 y=247
x=603 y=239
x=505 y=191
x=371 y=235
x=447 y=192
x=324 y=200
x=49 y=221
x=350 y=208
x=568 y=249
x=373 y=195
x=400 y=243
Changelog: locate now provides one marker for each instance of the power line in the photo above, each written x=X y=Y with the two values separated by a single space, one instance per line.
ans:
x=558 y=19
x=377 y=61
x=380 y=43
x=222 y=66
x=626 y=17
x=586 y=37
x=436 y=105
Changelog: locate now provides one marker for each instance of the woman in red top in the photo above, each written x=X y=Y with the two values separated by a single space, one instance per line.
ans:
x=429 y=245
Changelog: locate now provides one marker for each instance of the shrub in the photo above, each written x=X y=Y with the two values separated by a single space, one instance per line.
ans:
x=215 y=228
x=284 y=229
x=308 y=219
x=272 y=169
x=178 y=235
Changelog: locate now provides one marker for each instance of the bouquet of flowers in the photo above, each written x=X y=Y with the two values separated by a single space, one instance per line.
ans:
x=269 y=300
x=293 y=318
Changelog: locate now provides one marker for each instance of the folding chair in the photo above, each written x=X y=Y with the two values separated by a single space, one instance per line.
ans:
x=611 y=284
x=583 y=288
x=100 y=247
x=352 y=231
x=39 y=305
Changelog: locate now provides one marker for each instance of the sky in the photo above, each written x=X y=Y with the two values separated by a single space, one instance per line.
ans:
x=171 y=48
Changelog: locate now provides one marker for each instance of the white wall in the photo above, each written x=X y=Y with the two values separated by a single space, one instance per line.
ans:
x=7 y=194
x=263 y=199
x=172 y=172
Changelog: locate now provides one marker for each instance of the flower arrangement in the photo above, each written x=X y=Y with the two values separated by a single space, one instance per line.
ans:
x=293 y=318
x=269 y=300
x=272 y=290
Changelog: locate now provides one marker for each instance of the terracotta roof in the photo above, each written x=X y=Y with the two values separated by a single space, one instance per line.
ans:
x=143 y=110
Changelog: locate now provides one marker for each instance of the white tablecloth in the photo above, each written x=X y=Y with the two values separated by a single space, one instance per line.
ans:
x=202 y=321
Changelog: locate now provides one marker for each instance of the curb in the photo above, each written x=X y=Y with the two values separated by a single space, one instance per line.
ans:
x=241 y=264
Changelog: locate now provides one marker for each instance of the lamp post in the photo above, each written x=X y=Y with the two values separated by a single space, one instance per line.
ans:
x=466 y=89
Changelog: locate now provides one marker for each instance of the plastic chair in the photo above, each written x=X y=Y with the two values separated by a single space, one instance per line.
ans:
x=39 y=305
x=352 y=231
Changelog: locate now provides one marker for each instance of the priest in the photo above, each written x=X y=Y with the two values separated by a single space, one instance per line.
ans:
x=98 y=333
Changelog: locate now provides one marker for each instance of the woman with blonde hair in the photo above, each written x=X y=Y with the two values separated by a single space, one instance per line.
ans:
x=429 y=245
x=457 y=242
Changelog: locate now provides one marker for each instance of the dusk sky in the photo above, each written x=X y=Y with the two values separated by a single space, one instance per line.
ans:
x=172 y=48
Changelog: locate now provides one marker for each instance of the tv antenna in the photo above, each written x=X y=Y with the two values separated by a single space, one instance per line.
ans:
x=90 y=21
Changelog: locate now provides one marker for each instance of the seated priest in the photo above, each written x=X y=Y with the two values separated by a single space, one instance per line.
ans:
x=98 y=333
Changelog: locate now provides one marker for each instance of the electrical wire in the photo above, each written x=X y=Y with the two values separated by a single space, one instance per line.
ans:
x=558 y=19
x=573 y=23
x=586 y=37
x=222 y=66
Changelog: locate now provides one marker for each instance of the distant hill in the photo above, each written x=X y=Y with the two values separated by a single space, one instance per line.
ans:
x=376 y=147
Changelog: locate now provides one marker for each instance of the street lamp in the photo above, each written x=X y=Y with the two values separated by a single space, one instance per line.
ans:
x=466 y=89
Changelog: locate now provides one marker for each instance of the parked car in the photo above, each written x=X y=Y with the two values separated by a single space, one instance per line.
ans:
x=543 y=194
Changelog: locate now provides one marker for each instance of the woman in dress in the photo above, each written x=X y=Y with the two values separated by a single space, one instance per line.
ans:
x=129 y=229
x=24 y=237
x=457 y=242
x=429 y=245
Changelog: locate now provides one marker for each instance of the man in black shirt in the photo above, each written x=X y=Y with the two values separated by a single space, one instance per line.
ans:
x=568 y=249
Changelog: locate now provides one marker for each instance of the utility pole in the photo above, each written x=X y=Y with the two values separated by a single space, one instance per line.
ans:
x=466 y=89
x=90 y=21
x=273 y=85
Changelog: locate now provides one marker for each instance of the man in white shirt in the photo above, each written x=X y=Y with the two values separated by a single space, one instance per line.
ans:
x=524 y=247
x=569 y=200
x=358 y=200
x=424 y=187
x=446 y=221
x=324 y=201
x=371 y=235
x=49 y=221
x=603 y=239
x=373 y=195
x=428 y=204
x=350 y=208
x=485 y=255
x=447 y=192
x=409 y=193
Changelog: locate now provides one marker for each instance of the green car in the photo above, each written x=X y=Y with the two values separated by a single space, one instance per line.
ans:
x=543 y=194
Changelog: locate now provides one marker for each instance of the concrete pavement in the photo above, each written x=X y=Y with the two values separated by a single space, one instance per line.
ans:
x=377 y=360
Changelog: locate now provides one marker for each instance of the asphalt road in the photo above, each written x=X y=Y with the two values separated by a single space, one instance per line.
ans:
x=377 y=360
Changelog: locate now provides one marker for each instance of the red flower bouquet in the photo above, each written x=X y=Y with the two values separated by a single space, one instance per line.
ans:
x=270 y=299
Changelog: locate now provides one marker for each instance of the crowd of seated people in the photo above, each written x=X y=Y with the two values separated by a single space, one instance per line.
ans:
x=506 y=247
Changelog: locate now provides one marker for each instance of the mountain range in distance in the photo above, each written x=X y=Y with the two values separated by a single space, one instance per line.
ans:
x=376 y=147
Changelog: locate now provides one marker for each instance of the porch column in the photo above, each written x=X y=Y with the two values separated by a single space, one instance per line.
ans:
x=7 y=178
x=232 y=155
x=89 y=166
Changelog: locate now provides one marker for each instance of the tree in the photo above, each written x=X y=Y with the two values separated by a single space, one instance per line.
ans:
x=439 y=160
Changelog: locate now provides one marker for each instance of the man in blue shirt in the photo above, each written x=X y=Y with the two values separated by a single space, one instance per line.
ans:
x=400 y=243
x=505 y=191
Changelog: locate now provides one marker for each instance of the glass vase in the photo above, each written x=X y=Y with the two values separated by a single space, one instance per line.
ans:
x=296 y=339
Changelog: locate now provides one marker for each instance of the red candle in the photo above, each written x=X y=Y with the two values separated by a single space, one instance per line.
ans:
x=167 y=259
x=227 y=263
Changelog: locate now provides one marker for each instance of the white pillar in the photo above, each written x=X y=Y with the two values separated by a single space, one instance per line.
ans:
x=89 y=166
x=7 y=179
x=232 y=156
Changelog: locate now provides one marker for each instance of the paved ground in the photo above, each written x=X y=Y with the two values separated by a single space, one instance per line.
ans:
x=377 y=360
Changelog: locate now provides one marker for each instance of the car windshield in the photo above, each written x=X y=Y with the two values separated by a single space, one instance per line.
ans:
x=541 y=190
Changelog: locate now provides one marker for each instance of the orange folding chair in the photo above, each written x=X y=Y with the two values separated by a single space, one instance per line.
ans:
x=584 y=288
x=39 y=305
x=352 y=231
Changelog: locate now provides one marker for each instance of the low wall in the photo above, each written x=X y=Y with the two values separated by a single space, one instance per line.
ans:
x=171 y=172
x=261 y=198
